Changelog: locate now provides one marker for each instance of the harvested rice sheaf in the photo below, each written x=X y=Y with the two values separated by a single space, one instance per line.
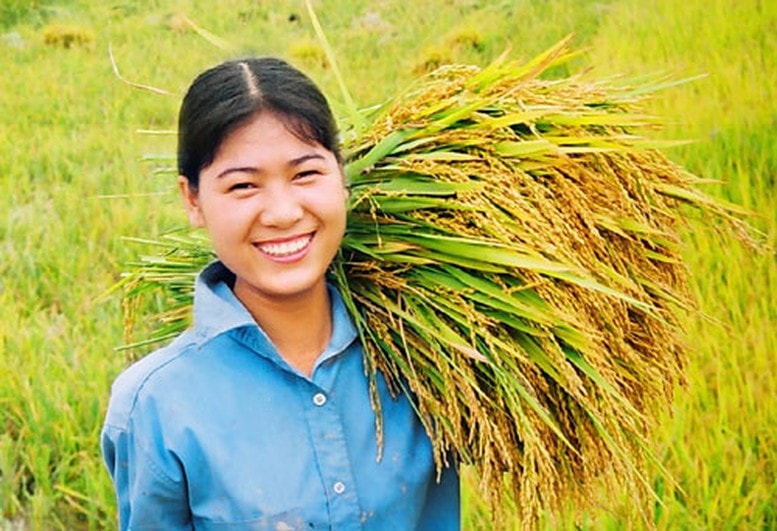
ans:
x=512 y=262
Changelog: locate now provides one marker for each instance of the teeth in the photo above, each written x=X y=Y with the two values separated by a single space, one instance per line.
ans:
x=285 y=248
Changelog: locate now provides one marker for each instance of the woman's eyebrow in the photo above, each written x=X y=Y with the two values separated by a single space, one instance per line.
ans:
x=245 y=169
x=291 y=164
x=304 y=158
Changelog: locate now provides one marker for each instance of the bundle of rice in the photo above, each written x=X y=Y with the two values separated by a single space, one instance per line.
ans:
x=511 y=261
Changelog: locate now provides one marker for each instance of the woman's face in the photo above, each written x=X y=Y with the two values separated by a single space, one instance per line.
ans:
x=274 y=207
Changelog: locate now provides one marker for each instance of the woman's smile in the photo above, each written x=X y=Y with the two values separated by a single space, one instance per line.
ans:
x=286 y=250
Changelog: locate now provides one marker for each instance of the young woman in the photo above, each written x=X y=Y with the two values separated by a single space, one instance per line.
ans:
x=259 y=416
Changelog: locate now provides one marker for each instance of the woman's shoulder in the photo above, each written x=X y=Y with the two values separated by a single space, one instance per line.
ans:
x=152 y=369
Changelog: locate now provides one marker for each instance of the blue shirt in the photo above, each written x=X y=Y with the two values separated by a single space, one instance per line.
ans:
x=217 y=431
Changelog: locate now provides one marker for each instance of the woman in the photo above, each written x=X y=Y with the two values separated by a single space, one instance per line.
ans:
x=259 y=416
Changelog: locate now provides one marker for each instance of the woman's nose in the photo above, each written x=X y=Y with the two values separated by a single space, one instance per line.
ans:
x=281 y=207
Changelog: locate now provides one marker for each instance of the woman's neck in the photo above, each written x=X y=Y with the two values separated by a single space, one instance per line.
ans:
x=299 y=326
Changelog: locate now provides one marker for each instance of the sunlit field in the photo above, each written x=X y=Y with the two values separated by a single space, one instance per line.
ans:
x=80 y=172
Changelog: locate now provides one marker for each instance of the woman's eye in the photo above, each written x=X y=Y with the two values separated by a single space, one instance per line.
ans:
x=306 y=175
x=241 y=186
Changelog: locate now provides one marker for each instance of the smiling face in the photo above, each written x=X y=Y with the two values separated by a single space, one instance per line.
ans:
x=275 y=209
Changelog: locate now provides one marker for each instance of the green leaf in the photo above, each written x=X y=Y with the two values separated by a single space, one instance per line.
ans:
x=378 y=152
x=527 y=148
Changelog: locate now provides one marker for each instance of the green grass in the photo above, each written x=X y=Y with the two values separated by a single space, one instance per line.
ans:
x=72 y=184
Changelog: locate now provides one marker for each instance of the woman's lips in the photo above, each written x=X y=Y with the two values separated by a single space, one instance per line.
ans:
x=288 y=249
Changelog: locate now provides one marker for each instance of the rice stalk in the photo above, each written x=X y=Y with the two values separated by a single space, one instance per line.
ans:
x=512 y=263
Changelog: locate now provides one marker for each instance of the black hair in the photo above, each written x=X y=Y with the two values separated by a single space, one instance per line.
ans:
x=225 y=96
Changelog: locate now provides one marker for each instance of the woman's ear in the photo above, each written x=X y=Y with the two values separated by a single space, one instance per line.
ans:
x=191 y=202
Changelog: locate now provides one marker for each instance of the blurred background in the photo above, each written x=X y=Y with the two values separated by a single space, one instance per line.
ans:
x=83 y=158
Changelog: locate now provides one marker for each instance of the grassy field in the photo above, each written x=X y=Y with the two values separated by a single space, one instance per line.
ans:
x=73 y=182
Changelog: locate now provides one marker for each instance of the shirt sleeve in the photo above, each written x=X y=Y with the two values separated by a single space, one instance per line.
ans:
x=149 y=496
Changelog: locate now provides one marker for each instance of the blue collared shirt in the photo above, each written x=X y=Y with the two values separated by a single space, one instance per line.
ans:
x=217 y=431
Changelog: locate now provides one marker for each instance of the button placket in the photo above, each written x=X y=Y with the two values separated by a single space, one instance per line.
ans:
x=329 y=444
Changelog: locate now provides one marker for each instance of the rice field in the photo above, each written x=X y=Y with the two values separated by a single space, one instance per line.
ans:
x=78 y=174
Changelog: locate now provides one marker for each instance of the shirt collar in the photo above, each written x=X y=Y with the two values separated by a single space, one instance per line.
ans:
x=217 y=310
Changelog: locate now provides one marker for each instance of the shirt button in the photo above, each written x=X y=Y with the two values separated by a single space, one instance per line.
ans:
x=339 y=487
x=319 y=399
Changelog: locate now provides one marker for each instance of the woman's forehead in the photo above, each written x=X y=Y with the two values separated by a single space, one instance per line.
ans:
x=268 y=132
